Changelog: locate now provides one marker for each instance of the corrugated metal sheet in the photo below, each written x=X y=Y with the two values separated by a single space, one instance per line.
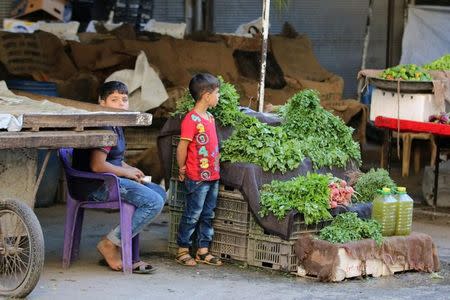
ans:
x=5 y=9
x=336 y=29
x=168 y=10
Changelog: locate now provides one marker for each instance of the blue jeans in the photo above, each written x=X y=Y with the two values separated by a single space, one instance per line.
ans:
x=201 y=199
x=148 y=198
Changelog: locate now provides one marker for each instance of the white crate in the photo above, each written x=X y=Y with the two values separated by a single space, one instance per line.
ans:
x=414 y=107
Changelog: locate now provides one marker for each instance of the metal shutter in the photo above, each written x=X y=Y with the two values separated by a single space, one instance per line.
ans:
x=336 y=29
x=168 y=10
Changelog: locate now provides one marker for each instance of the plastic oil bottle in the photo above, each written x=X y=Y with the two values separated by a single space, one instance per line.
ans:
x=404 y=212
x=384 y=210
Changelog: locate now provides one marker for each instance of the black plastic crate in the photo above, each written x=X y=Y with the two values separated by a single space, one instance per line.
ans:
x=174 y=163
x=299 y=227
x=177 y=195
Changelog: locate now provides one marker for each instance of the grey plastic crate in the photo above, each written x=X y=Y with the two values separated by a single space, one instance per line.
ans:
x=229 y=245
x=271 y=252
x=232 y=212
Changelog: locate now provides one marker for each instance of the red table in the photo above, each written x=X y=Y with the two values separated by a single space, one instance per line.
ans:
x=438 y=130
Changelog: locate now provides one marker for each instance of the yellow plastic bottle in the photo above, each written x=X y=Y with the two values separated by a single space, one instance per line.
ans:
x=384 y=210
x=404 y=212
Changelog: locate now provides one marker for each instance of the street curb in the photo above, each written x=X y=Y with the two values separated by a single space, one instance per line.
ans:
x=432 y=215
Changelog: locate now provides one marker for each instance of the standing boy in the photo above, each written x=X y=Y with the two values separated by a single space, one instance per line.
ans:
x=198 y=158
x=148 y=198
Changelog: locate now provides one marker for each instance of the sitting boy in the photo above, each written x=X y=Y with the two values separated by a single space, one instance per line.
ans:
x=198 y=158
x=148 y=198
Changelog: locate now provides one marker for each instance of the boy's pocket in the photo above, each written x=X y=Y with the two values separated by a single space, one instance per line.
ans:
x=191 y=185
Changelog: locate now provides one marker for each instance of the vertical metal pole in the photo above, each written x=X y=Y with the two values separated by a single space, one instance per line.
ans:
x=389 y=151
x=366 y=46
x=390 y=32
x=265 y=26
x=188 y=15
x=198 y=15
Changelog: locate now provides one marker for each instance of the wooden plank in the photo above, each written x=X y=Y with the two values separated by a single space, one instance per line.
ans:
x=57 y=139
x=103 y=117
x=80 y=121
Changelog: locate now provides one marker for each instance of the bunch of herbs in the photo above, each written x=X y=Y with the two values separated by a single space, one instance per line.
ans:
x=227 y=110
x=368 y=184
x=327 y=140
x=348 y=227
x=308 y=195
x=263 y=145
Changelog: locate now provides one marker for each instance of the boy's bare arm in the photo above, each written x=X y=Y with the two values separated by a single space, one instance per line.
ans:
x=99 y=164
x=181 y=158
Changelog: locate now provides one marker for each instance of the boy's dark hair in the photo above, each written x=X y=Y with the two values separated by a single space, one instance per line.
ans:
x=110 y=87
x=202 y=83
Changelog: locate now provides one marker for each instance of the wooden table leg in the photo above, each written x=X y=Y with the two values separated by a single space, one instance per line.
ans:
x=416 y=153
x=436 y=173
x=406 y=154
x=389 y=151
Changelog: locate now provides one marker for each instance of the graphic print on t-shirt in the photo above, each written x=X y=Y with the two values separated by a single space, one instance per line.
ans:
x=202 y=162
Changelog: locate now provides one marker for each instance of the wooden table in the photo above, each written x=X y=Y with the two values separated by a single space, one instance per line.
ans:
x=81 y=129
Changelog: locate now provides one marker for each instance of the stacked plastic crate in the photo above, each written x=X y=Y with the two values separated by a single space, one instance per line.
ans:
x=273 y=252
x=231 y=226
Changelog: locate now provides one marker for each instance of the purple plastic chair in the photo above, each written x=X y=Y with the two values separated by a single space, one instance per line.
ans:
x=79 y=185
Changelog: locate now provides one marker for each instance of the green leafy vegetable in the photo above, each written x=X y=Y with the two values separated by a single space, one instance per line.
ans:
x=406 y=72
x=441 y=64
x=227 y=110
x=368 y=184
x=325 y=138
x=348 y=227
x=261 y=144
x=308 y=195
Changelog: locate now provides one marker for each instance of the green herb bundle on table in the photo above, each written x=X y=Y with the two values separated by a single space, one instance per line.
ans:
x=348 y=227
x=325 y=138
x=308 y=195
x=263 y=145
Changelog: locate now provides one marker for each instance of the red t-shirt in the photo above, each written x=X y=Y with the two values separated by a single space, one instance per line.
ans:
x=202 y=162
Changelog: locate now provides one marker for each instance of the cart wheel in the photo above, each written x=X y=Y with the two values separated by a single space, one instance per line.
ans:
x=21 y=249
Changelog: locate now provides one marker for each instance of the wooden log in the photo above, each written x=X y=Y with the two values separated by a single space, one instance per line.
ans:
x=57 y=139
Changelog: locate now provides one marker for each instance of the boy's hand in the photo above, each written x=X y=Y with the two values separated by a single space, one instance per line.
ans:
x=181 y=173
x=134 y=174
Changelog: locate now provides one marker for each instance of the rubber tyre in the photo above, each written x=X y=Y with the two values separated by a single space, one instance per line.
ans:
x=37 y=250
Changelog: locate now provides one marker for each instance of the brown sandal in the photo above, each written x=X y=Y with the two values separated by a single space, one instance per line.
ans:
x=214 y=261
x=184 y=258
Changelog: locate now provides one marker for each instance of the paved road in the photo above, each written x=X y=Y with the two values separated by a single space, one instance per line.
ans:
x=87 y=280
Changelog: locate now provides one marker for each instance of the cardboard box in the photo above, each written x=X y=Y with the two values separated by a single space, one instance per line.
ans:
x=55 y=8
